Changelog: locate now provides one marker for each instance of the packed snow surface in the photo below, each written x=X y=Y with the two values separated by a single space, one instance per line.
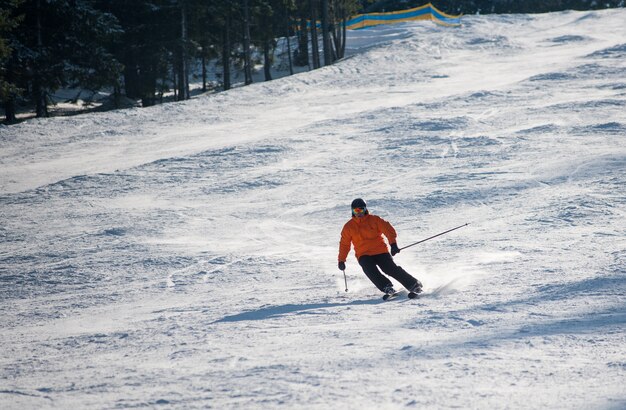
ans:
x=185 y=255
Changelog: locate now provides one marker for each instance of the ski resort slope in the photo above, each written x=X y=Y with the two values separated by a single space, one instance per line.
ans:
x=185 y=255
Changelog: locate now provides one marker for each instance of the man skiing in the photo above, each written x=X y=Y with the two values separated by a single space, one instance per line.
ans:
x=365 y=231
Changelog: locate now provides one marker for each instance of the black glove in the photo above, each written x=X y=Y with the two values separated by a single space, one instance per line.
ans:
x=394 y=249
x=341 y=265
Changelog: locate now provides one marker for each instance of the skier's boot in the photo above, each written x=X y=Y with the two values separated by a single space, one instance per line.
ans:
x=417 y=288
x=390 y=293
x=389 y=290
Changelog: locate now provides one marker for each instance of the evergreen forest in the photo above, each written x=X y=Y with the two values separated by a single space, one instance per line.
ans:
x=141 y=50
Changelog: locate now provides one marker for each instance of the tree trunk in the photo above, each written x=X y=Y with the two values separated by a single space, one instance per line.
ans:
x=131 y=81
x=267 y=60
x=117 y=95
x=328 y=58
x=148 y=86
x=246 y=43
x=339 y=37
x=289 y=49
x=9 y=110
x=39 y=94
x=226 y=53
x=344 y=21
x=175 y=82
x=8 y=103
x=302 y=56
x=183 y=79
x=203 y=69
x=314 y=39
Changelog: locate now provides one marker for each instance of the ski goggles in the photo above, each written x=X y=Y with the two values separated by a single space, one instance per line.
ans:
x=359 y=211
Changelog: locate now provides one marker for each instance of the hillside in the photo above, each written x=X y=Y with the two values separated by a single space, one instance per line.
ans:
x=184 y=255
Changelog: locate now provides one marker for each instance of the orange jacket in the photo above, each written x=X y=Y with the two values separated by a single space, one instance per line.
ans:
x=366 y=235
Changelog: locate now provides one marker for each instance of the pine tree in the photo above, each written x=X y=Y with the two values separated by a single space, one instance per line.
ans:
x=314 y=11
x=288 y=8
x=328 y=57
x=151 y=35
x=8 y=87
x=301 y=56
x=267 y=35
x=245 y=8
x=340 y=11
x=60 y=43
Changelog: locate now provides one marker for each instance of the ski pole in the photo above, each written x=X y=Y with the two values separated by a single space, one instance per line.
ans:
x=345 y=279
x=434 y=236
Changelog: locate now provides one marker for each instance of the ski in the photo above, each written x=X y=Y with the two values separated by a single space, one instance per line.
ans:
x=413 y=295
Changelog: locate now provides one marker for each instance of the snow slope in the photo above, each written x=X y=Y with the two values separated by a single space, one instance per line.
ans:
x=184 y=256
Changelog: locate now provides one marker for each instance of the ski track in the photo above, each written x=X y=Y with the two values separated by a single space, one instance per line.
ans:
x=184 y=256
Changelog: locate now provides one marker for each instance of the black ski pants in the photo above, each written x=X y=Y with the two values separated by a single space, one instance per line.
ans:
x=371 y=263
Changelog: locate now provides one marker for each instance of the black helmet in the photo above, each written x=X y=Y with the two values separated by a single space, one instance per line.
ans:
x=358 y=203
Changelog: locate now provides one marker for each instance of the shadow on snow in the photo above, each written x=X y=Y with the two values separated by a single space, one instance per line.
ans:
x=277 y=311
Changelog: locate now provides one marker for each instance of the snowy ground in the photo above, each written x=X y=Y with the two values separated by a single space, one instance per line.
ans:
x=184 y=256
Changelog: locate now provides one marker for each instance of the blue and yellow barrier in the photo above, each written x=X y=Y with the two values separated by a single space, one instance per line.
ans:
x=425 y=12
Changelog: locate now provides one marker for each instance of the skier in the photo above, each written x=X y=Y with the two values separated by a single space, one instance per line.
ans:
x=365 y=232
